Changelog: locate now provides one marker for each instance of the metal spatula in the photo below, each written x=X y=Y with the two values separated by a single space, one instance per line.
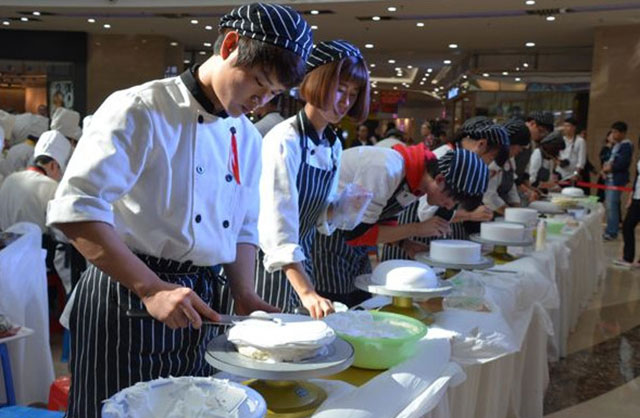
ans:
x=224 y=319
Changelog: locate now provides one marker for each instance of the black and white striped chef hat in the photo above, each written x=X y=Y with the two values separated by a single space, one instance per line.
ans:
x=518 y=131
x=330 y=51
x=481 y=127
x=271 y=23
x=545 y=119
x=465 y=174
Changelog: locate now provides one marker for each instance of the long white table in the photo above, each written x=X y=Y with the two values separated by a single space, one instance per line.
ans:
x=503 y=356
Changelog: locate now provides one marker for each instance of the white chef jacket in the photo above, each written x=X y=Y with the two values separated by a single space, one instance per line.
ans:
x=268 y=122
x=576 y=152
x=18 y=158
x=536 y=163
x=389 y=142
x=156 y=165
x=491 y=198
x=23 y=198
x=377 y=169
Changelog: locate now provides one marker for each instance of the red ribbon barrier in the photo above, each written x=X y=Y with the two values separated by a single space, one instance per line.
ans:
x=596 y=186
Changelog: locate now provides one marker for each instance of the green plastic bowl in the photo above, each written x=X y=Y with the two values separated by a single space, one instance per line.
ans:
x=384 y=353
x=555 y=227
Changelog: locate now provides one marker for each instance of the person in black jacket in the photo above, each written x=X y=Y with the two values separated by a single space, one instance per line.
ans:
x=616 y=170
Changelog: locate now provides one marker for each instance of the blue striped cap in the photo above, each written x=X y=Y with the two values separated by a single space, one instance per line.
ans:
x=481 y=127
x=518 y=131
x=545 y=119
x=329 y=51
x=271 y=23
x=464 y=172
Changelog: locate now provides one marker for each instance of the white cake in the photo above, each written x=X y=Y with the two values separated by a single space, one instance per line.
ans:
x=524 y=216
x=404 y=275
x=455 y=251
x=572 y=192
x=502 y=231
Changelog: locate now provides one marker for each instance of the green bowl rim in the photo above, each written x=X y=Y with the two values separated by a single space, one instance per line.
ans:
x=413 y=337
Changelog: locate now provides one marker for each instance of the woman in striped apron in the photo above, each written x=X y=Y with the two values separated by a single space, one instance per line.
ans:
x=397 y=177
x=301 y=157
x=161 y=188
x=481 y=136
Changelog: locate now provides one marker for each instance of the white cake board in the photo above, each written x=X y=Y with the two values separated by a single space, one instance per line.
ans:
x=484 y=263
x=479 y=239
x=363 y=282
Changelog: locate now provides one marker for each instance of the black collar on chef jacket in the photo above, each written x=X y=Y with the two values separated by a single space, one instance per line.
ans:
x=189 y=79
x=329 y=135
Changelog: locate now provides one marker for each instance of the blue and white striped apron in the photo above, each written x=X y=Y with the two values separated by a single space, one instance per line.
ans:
x=111 y=351
x=336 y=264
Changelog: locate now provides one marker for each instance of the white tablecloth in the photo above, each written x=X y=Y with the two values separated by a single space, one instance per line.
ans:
x=23 y=298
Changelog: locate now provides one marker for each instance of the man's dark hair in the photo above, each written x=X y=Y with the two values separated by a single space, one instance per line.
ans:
x=620 y=126
x=287 y=65
x=572 y=121
x=42 y=160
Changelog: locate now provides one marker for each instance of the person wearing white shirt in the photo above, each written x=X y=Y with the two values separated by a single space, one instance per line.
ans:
x=393 y=137
x=543 y=161
x=574 y=155
x=397 y=177
x=26 y=131
x=301 y=160
x=162 y=188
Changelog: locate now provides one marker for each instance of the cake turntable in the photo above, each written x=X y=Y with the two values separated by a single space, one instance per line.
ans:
x=282 y=384
x=499 y=253
x=454 y=268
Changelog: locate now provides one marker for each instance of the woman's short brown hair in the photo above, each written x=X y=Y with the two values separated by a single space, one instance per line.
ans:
x=320 y=85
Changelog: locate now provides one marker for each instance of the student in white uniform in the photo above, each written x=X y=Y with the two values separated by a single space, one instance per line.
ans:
x=26 y=131
x=163 y=187
x=24 y=195
x=502 y=191
x=397 y=177
x=542 y=167
x=301 y=160
x=573 y=157
x=67 y=122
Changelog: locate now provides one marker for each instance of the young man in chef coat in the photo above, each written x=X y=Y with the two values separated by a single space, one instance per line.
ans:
x=397 y=177
x=162 y=188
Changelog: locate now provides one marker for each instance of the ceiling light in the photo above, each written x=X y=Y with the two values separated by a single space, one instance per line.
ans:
x=368 y=46
x=551 y=18
x=391 y=61
x=106 y=26
x=485 y=74
x=207 y=44
x=464 y=76
x=391 y=9
x=420 y=24
x=186 y=61
x=517 y=68
x=398 y=69
x=525 y=65
x=375 y=92
x=36 y=13
x=409 y=66
x=194 y=22
x=518 y=79
x=530 y=2
x=505 y=73
x=24 y=19
x=314 y=27
x=530 y=44
x=90 y=20
x=446 y=62
x=6 y=23
x=376 y=18
x=429 y=70
x=173 y=43
x=372 y=65
x=453 y=46
x=208 y=27
x=202 y=53
x=395 y=87
x=422 y=83
x=315 y=12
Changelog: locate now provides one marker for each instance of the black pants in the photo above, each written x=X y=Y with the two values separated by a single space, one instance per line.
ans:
x=629 y=231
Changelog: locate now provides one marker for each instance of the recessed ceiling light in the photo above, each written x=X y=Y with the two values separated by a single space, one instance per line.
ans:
x=485 y=74
x=525 y=65
x=398 y=69
x=91 y=20
x=315 y=12
x=395 y=87
x=208 y=27
x=530 y=2
x=372 y=65
x=376 y=18
x=186 y=61
x=202 y=53
x=6 y=23
x=194 y=21
x=36 y=13
x=551 y=18
x=368 y=46
x=530 y=44
x=207 y=44
x=391 y=61
x=446 y=62
x=453 y=46
x=174 y=43
x=24 y=19
x=464 y=76
x=429 y=70
x=505 y=73
x=314 y=27
x=518 y=79
x=422 y=83
x=106 y=26
x=375 y=92
x=409 y=66
x=420 y=24
x=517 y=68
x=391 y=8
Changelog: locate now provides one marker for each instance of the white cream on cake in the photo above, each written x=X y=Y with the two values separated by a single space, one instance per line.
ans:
x=572 y=192
x=502 y=231
x=363 y=324
x=455 y=251
x=404 y=275
x=287 y=341
x=525 y=216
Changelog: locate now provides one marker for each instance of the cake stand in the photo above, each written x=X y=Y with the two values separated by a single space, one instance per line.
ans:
x=454 y=268
x=282 y=384
x=402 y=300
x=499 y=253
